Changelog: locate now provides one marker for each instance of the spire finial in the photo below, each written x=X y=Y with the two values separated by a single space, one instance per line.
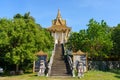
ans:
x=58 y=15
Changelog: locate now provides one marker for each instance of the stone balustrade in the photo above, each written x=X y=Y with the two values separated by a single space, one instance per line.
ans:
x=51 y=61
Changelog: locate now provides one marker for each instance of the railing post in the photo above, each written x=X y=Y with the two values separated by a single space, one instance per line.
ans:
x=73 y=70
x=51 y=61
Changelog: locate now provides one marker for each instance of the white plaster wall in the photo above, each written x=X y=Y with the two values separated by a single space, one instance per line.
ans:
x=59 y=36
x=77 y=58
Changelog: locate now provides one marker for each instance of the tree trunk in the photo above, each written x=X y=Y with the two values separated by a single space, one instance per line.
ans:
x=17 y=67
x=33 y=66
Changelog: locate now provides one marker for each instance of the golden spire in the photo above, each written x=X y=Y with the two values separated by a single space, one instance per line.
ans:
x=58 y=15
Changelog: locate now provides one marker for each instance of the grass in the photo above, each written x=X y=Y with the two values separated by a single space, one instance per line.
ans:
x=90 y=75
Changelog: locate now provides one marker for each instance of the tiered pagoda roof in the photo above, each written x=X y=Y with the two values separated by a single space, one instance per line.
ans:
x=59 y=24
x=79 y=52
x=41 y=53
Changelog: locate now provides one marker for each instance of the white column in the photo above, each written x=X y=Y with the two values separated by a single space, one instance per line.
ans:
x=62 y=38
x=66 y=36
x=52 y=34
x=56 y=38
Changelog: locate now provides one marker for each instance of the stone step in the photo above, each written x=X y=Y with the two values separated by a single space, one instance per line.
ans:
x=59 y=66
x=55 y=68
x=58 y=62
x=59 y=71
x=58 y=59
x=60 y=74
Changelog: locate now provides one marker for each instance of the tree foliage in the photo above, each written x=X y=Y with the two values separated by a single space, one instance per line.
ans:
x=116 y=41
x=96 y=40
x=21 y=38
x=99 y=35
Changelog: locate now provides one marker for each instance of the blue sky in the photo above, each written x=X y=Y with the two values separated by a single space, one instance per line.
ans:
x=77 y=13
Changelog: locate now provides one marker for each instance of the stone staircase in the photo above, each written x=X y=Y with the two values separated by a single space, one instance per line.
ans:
x=59 y=66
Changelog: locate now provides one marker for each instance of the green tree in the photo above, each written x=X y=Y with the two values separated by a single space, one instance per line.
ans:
x=73 y=41
x=5 y=29
x=77 y=40
x=96 y=40
x=21 y=38
x=99 y=35
x=116 y=42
